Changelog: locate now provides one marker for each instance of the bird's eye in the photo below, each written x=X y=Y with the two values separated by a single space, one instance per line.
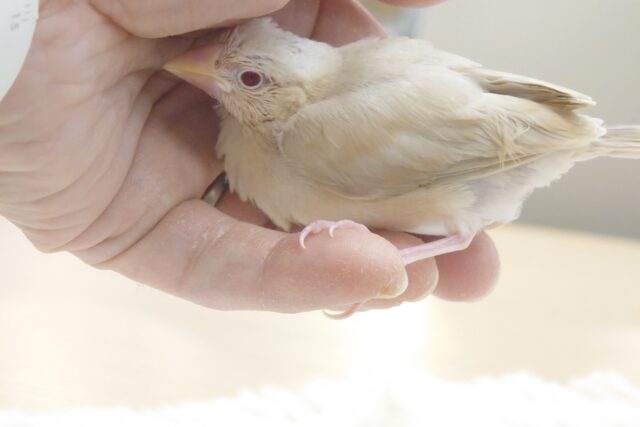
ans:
x=250 y=79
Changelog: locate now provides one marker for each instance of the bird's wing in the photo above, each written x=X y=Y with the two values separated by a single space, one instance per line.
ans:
x=528 y=88
x=436 y=124
x=493 y=81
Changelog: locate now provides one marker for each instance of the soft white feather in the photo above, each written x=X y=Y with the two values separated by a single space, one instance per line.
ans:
x=396 y=134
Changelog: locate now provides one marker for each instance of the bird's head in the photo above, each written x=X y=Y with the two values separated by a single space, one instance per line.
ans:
x=260 y=73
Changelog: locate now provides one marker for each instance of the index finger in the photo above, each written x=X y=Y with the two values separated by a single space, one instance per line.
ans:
x=202 y=255
x=161 y=18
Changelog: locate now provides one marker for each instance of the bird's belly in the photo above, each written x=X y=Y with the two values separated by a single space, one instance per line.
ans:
x=426 y=211
x=437 y=210
x=499 y=197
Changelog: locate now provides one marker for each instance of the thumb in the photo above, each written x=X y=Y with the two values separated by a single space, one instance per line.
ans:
x=161 y=18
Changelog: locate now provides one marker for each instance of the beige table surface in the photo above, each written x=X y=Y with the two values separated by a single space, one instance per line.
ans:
x=567 y=304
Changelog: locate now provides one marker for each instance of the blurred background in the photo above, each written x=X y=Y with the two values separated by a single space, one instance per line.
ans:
x=592 y=46
x=567 y=304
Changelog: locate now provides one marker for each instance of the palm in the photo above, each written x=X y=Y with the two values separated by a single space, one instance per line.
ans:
x=127 y=151
x=139 y=145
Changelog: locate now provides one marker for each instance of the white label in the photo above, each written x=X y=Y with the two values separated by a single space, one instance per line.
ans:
x=17 y=24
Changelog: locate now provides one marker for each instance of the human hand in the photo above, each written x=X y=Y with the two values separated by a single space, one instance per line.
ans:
x=104 y=155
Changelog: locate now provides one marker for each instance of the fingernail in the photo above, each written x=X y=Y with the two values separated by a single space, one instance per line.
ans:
x=396 y=289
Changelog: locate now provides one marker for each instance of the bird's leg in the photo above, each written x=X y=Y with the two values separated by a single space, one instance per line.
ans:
x=442 y=246
x=445 y=245
x=319 y=226
x=454 y=243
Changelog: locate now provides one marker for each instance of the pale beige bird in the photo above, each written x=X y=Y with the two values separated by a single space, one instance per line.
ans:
x=388 y=133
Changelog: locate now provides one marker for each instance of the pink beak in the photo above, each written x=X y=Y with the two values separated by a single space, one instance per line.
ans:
x=198 y=67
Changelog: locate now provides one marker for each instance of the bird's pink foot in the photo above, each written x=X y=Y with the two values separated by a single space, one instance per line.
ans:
x=319 y=226
x=446 y=245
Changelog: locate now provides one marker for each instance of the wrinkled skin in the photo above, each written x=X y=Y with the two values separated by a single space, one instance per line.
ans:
x=104 y=155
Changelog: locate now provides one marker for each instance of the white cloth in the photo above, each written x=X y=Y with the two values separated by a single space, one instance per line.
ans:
x=17 y=25
x=412 y=400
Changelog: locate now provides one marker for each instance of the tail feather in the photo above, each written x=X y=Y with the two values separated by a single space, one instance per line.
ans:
x=622 y=142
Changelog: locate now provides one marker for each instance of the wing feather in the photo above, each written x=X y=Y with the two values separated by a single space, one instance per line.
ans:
x=528 y=88
x=442 y=120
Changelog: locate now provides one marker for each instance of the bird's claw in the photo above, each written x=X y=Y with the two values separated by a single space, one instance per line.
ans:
x=344 y=314
x=319 y=226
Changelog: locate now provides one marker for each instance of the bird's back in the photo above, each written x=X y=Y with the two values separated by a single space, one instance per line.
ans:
x=406 y=118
